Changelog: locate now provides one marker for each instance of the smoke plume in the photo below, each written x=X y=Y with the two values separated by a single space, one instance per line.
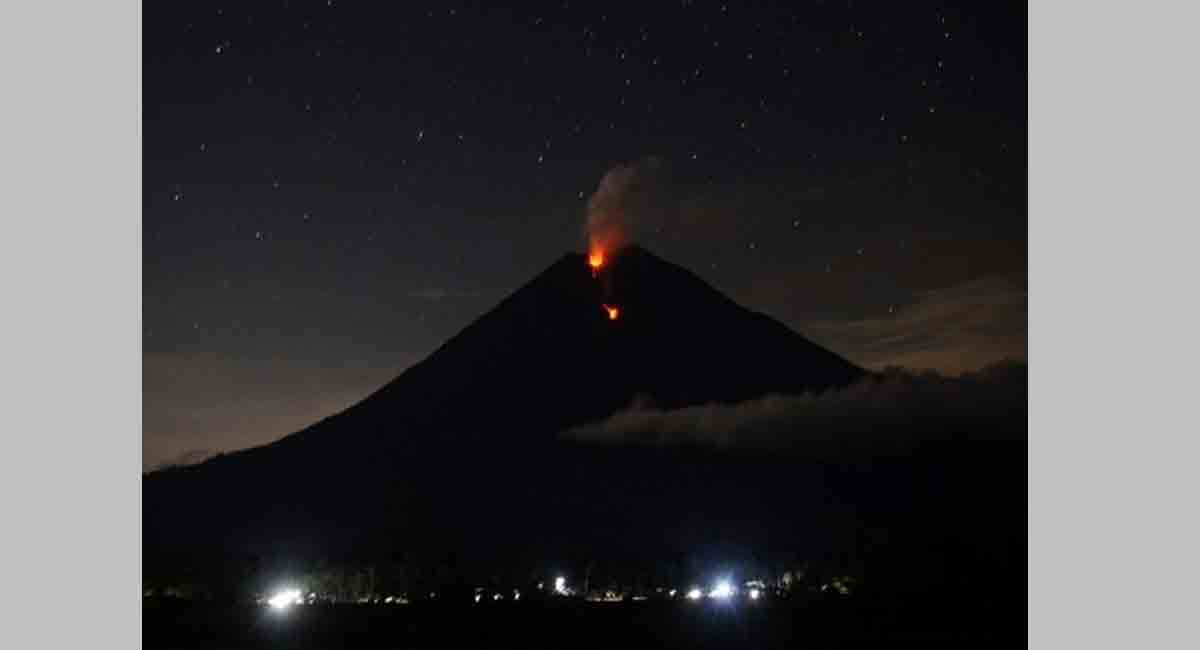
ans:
x=629 y=197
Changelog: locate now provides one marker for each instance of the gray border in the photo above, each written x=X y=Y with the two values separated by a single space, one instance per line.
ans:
x=70 y=271
x=1112 y=493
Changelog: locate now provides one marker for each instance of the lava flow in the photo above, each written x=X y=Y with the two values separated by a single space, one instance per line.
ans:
x=595 y=261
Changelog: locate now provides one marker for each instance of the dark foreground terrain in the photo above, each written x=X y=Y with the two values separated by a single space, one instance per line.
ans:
x=816 y=624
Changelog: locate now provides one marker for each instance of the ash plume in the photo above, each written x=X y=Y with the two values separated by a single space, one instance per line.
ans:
x=630 y=197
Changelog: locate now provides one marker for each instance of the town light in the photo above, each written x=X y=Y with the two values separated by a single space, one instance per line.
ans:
x=694 y=594
x=754 y=594
x=560 y=586
x=722 y=590
x=284 y=599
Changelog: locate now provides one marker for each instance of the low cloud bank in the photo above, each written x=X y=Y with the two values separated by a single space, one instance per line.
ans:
x=891 y=411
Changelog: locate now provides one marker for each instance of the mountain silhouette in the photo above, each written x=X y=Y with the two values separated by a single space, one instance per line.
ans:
x=467 y=440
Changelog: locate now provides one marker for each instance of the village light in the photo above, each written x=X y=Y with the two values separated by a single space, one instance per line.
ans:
x=285 y=598
x=694 y=594
x=722 y=590
x=560 y=586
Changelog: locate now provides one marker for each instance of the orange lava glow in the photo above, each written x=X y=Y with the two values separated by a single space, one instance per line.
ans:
x=596 y=260
x=612 y=312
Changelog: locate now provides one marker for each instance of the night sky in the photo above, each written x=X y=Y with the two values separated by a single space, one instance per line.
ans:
x=332 y=189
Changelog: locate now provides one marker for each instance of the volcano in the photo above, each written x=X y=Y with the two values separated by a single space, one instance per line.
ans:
x=555 y=354
x=468 y=438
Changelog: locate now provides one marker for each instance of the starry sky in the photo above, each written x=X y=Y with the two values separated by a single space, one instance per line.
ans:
x=333 y=188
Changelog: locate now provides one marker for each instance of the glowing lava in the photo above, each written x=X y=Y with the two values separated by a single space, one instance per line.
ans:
x=596 y=260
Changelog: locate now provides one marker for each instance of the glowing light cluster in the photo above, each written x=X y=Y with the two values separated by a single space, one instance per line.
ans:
x=695 y=594
x=285 y=598
x=613 y=312
x=721 y=591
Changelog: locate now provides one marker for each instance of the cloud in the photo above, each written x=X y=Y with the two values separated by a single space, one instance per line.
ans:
x=889 y=412
x=223 y=403
x=952 y=330
x=631 y=199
